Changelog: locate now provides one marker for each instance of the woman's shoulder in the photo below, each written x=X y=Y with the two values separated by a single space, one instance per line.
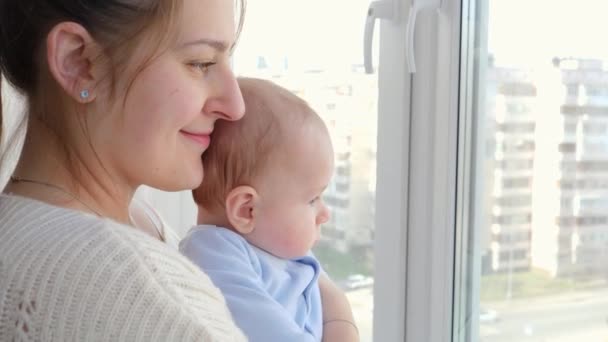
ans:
x=31 y=222
x=102 y=275
x=32 y=229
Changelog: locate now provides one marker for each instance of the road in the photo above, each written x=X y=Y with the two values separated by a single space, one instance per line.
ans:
x=573 y=317
x=566 y=318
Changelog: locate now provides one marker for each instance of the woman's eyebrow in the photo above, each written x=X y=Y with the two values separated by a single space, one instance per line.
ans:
x=219 y=45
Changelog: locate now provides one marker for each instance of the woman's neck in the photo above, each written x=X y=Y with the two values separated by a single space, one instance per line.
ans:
x=46 y=173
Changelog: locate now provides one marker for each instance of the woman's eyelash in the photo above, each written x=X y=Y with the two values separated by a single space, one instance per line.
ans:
x=202 y=66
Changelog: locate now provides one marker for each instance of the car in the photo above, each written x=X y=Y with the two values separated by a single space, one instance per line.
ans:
x=356 y=281
x=488 y=316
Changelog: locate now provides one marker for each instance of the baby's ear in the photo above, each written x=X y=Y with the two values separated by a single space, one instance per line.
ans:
x=240 y=204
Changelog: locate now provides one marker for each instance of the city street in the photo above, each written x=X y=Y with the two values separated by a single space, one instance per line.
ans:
x=564 y=318
x=574 y=317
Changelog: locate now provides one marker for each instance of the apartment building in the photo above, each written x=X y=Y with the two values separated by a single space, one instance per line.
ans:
x=570 y=230
x=510 y=126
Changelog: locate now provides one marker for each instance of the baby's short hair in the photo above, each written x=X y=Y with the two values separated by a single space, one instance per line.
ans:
x=242 y=150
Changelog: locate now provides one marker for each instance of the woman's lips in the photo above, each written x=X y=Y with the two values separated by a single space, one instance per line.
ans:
x=202 y=139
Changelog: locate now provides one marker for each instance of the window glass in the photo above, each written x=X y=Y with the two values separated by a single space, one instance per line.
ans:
x=537 y=258
x=314 y=49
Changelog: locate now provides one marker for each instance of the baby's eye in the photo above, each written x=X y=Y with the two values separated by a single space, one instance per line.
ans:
x=314 y=200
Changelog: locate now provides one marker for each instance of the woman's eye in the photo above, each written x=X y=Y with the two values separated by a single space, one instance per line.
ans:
x=203 y=67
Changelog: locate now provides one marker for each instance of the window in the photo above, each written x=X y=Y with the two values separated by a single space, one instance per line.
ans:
x=570 y=128
x=517 y=88
x=515 y=146
x=515 y=164
x=589 y=183
x=566 y=203
x=567 y=147
x=313 y=48
x=516 y=127
x=519 y=182
x=343 y=171
x=511 y=287
x=512 y=219
x=514 y=201
x=515 y=108
x=591 y=220
x=596 y=166
x=572 y=89
x=594 y=203
x=512 y=236
x=595 y=128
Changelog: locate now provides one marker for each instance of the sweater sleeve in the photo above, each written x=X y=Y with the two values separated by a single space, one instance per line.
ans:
x=234 y=268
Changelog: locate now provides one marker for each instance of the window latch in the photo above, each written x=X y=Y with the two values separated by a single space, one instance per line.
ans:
x=417 y=6
x=382 y=9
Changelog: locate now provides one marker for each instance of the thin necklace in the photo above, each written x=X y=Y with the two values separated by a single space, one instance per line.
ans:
x=15 y=179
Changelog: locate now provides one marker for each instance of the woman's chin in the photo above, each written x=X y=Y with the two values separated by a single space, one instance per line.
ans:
x=182 y=181
x=193 y=179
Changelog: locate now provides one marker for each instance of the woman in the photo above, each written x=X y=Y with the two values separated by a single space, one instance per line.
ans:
x=119 y=93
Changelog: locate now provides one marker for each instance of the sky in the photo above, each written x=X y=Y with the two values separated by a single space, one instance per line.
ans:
x=310 y=32
x=524 y=32
x=330 y=32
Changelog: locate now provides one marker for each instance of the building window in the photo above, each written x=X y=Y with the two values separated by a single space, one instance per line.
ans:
x=519 y=182
x=514 y=201
x=567 y=147
x=513 y=219
x=516 y=127
x=515 y=164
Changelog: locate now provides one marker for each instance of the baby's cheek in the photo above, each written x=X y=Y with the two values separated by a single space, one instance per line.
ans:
x=282 y=244
x=299 y=244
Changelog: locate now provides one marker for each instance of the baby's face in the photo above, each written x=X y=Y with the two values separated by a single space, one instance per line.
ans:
x=292 y=209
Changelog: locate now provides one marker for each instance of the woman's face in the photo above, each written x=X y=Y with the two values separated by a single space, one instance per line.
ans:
x=159 y=135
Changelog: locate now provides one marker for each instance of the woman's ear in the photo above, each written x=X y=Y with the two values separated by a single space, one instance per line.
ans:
x=240 y=208
x=71 y=53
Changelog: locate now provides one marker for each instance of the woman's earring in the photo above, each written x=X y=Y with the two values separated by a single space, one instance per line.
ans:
x=84 y=94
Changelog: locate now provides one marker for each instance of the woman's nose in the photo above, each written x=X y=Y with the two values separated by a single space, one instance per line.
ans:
x=227 y=102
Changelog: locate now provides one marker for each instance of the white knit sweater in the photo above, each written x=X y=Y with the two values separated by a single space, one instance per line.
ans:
x=68 y=276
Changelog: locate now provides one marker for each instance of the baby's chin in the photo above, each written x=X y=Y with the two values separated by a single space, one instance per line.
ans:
x=290 y=255
x=302 y=254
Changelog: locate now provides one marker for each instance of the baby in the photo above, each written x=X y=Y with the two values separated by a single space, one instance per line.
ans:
x=260 y=211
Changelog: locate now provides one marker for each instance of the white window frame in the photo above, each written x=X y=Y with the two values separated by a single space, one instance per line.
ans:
x=392 y=160
x=432 y=177
x=473 y=60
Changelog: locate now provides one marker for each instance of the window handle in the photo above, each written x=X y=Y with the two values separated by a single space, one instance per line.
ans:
x=381 y=9
x=418 y=6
